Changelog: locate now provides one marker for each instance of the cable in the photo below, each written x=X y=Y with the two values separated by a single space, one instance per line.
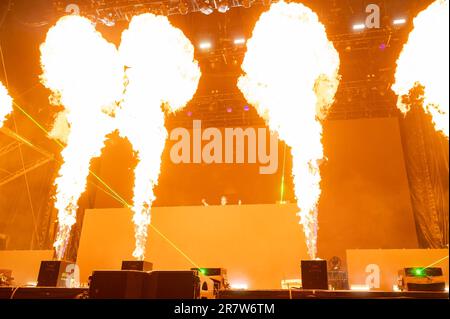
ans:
x=14 y=292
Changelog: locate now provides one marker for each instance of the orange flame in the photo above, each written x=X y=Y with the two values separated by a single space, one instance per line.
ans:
x=291 y=77
x=6 y=103
x=425 y=61
x=86 y=76
x=160 y=70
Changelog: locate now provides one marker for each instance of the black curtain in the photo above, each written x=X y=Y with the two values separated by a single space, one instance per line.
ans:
x=426 y=157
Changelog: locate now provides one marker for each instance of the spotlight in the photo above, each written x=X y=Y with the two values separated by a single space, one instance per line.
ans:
x=239 y=41
x=206 y=6
x=205 y=45
x=246 y=3
x=239 y=286
x=246 y=108
x=183 y=7
x=223 y=6
x=359 y=26
x=399 y=21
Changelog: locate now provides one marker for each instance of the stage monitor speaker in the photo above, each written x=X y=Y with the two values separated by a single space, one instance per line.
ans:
x=139 y=265
x=114 y=284
x=172 y=285
x=314 y=274
x=53 y=273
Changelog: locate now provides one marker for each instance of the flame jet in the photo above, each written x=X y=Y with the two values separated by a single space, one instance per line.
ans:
x=425 y=61
x=160 y=71
x=291 y=77
x=86 y=76
x=6 y=103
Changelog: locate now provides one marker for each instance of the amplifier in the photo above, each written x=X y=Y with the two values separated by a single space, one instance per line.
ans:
x=314 y=274
x=54 y=273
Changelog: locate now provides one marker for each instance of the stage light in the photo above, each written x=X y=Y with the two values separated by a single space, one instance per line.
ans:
x=419 y=272
x=239 y=41
x=205 y=45
x=239 y=286
x=247 y=3
x=183 y=7
x=359 y=288
x=223 y=6
x=229 y=110
x=399 y=21
x=206 y=7
x=360 y=26
x=246 y=108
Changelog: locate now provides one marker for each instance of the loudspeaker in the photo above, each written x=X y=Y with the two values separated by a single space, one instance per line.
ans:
x=314 y=274
x=172 y=285
x=139 y=265
x=124 y=284
x=53 y=273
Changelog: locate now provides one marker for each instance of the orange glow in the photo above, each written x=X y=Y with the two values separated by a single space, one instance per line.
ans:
x=5 y=104
x=161 y=70
x=86 y=76
x=291 y=77
x=424 y=61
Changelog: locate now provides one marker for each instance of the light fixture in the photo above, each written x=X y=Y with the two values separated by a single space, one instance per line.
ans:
x=206 y=6
x=183 y=7
x=246 y=3
x=359 y=287
x=239 y=41
x=239 y=286
x=222 y=6
x=399 y=21
x=205 y=45
x=359 y=26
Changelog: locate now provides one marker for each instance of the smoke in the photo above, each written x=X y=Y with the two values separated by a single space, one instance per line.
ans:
x=6 y=103
x=425 y=61
x=85 y=74
x=161 y=71
x=291 y=77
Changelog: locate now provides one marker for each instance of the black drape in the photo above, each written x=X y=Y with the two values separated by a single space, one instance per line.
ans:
x=426 y=157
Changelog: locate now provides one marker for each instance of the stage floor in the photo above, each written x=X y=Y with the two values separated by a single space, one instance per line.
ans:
x=82 y=293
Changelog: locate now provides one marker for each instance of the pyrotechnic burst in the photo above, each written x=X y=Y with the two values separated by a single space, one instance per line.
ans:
x=5 y=104
x=291 y=77
x=425 y=61
x=86 y=76
x=160 y=70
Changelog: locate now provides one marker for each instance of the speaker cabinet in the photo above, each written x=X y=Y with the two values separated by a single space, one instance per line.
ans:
x=124 y=284
x=53 y=273
x=172 y=285
x=314 y=274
